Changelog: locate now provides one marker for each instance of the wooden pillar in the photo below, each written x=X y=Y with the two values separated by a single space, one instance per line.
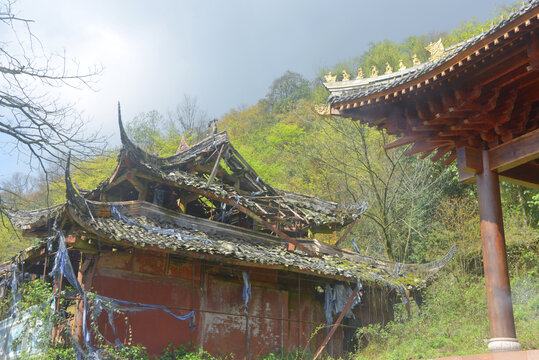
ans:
x=85 y=277
x=500 y=307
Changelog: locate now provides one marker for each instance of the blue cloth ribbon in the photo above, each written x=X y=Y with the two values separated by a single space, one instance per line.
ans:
x=355 y=245
x=247 y=295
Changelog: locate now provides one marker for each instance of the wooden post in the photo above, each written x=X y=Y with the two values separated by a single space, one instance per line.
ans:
x=299 y=311
x=216 y=166
x=337 y=323
x=85 y=277
x=346 y=232
x=500 y=307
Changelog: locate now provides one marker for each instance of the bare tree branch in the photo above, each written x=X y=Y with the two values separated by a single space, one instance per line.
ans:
x=34 y=122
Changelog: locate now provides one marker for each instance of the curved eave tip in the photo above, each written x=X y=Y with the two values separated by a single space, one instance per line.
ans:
x=70 y=189
x=123 y=134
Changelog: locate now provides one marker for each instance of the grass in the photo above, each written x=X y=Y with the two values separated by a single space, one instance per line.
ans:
x=454 y=321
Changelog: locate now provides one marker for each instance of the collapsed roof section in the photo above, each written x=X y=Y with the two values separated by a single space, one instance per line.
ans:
x=203 y=177
x=145 y=225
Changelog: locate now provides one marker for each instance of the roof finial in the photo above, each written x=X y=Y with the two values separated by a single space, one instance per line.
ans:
x=359 y=73
x=415 y=60
x=345 y=76
x=374 y=71
x=389 y=69
x=330 y=77
x=436 y=50
x=323 y=109
x=401 y=65
x=213 y=125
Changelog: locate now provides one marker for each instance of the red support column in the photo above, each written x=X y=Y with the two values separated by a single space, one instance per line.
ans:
x=500 y=307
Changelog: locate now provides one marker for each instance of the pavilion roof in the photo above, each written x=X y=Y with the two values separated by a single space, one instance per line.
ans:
x=350 y=90
x=480 y=93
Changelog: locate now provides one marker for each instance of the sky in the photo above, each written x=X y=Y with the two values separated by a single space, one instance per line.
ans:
x=224 y=53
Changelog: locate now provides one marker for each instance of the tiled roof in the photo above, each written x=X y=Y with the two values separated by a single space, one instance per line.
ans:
x=33 y=219
x=179 y=233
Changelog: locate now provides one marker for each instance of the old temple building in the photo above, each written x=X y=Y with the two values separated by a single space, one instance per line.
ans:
x=196 y=248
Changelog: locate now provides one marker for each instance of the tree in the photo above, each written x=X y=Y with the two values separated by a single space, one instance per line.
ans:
x=33 y=121
x=145 y=129
x=287 y=89
x=188 y=119
x=352 y=165
x=159 y=135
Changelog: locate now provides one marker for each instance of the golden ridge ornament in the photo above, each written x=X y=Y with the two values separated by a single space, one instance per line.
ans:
x=436 y=50
x=389 y=69
x=330 y=77
x=401 y=65
x=359 y=73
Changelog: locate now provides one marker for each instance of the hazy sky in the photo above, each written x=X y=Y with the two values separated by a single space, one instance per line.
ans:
x=225 y=53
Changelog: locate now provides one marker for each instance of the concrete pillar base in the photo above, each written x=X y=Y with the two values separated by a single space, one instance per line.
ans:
x=504 y=344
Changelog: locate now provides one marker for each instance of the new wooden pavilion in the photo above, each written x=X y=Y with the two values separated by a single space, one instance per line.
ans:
x=476 y=102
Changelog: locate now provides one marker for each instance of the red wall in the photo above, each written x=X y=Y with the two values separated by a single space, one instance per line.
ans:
x=215 y=292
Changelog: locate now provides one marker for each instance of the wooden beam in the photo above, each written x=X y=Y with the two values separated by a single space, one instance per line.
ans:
x=138 y=185
x=530 y=93
x=464 y=95
x=515 y=152
x=405 y=140
x=490 y=73
x=469 y=160
x=525 y=175
x=425 y=146
x=337 y=323
x=117 y=180
x=347 y=231
x=440 y=153
x=533 y=53
x=452 y=156
x=216 y=166
x=466 y=178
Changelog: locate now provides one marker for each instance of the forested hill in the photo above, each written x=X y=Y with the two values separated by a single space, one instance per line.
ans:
x=409 y=199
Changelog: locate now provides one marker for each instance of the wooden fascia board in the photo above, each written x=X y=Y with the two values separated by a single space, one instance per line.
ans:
x=454 y=61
